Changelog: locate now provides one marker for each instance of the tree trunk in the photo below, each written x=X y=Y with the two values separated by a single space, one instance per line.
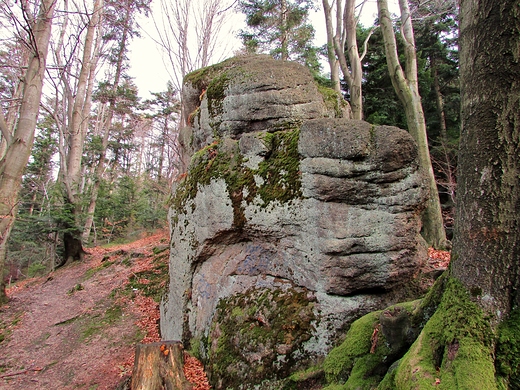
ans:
x=345 y=35
x=78 y=126
x=331 y=53
x=407 y=89
x=284 y=42
x=106 y=126
x=350 y=23
x=487 y=246
x=440 y=101
x=471 y=334
x=18 y=152
x=159 y=366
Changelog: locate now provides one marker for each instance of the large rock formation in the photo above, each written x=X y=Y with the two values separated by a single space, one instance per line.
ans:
x=290 y=222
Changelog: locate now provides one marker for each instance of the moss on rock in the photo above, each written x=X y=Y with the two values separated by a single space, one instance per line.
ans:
x=279 y=174
x=334 y=102
x=258 y=336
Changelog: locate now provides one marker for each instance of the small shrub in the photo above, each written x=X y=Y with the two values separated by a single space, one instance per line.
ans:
x=36 y=269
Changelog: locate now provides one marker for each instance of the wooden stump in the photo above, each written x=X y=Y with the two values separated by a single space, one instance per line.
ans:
x=159 y=366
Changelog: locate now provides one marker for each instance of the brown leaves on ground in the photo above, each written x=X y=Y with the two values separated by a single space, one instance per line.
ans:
x=61 y=336
x=439 y=259
x=194 y=372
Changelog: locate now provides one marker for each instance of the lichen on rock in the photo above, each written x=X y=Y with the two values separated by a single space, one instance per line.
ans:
x=283 y=200
x=258 y=334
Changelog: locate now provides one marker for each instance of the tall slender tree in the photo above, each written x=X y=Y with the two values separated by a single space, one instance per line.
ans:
x=343 y=50
x=71 y=172
x=406 y=86
x=121 y=28
x=19 y=140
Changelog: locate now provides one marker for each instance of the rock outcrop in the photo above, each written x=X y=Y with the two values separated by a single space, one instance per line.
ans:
x=290 y=221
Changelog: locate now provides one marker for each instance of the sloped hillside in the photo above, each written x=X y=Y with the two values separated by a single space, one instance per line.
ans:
x=76 y=328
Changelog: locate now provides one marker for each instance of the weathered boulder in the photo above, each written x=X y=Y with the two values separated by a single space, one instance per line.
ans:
x=290 y=222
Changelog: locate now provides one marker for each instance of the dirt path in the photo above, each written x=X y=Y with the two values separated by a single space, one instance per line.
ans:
x=76 y=328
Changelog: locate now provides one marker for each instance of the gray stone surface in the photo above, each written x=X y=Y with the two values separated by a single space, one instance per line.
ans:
x=347 y=239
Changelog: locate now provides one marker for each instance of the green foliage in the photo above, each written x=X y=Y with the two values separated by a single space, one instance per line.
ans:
x=381 y=105
x=128 y=204
x=289 y=37
x=437 y=56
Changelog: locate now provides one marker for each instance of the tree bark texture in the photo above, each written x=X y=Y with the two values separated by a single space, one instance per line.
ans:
x=18 y=152
x=344 y=38
x=159 y=366
x=407 y=89
x=487 y=234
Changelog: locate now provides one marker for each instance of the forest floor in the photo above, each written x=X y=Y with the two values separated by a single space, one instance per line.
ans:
x=77 y=327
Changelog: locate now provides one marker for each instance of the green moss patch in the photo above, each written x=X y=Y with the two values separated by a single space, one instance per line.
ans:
x=7 y=325
x=152 y=282
x=360 y=361
x=279 y=174
x=96 y=324
x=258 y=335
x=454 y=350
x=310 y=378
x=92 y=271
x=508 y=351
x=333 y=101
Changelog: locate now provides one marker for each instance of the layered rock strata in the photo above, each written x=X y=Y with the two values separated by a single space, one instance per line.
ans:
x=290 y=221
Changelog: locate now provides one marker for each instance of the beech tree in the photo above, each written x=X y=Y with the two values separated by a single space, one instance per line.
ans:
x=341 y=39
x=487 y=245
x=20 y=138
x=78 y=95
x=479 y=315
x=406 y=86
x=120 y=28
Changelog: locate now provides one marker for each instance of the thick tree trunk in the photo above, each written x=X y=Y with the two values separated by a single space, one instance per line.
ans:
x=471 y=334
x=487 y=246
x=159 y=366
x=407 y=89
x=19 y=150
x=72 y=168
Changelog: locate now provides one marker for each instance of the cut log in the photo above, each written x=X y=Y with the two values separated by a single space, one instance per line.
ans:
x=159 y=366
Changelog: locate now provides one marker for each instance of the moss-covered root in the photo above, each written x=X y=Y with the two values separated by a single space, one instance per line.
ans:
x=507 y=359
x=454 y=349
x=351 y=363
x=372 y=344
